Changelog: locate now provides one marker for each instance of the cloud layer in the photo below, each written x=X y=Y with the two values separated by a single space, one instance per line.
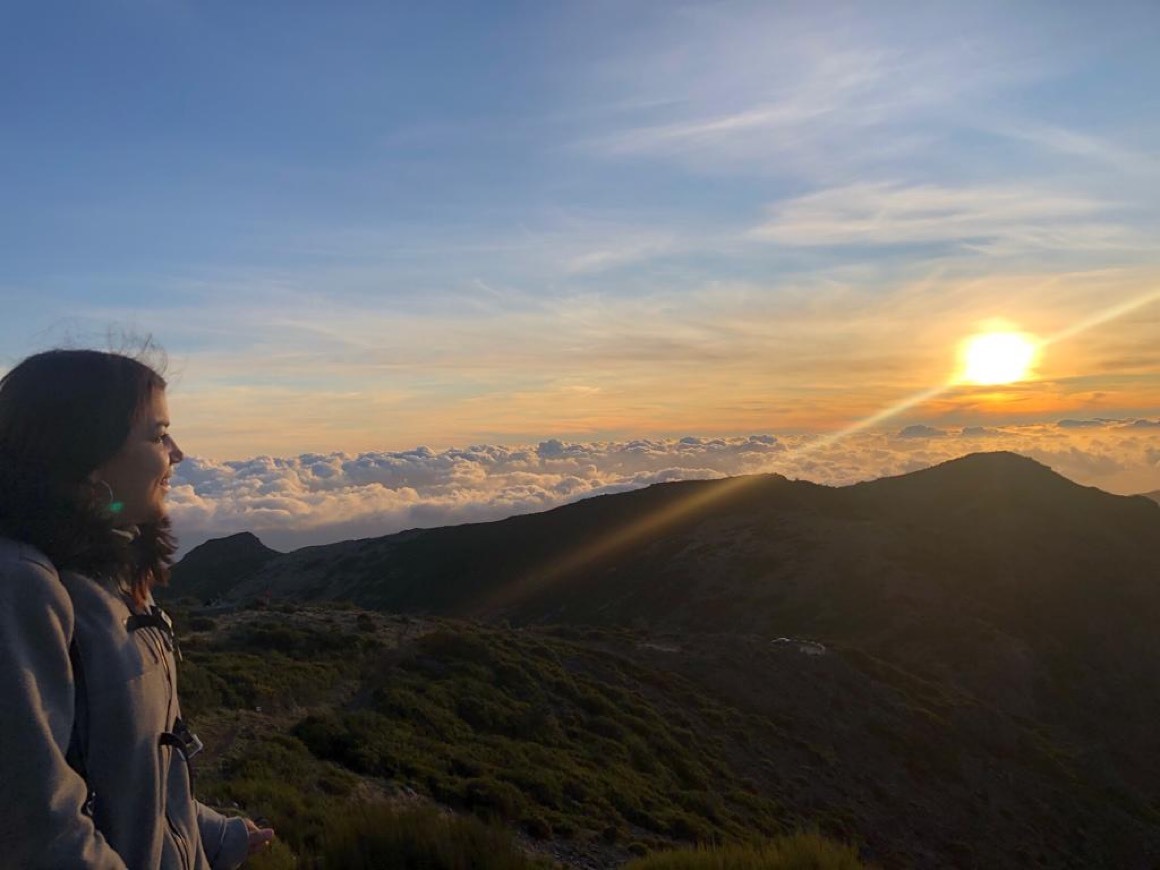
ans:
x=317 y=498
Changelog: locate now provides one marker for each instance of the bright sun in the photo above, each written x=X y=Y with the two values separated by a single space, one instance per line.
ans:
x=998 y=357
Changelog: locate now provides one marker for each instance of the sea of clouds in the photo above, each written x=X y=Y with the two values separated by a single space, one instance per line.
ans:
x=315 y=498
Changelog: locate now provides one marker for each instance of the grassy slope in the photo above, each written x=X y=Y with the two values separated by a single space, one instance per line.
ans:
x=550 y=735
x=601 y=744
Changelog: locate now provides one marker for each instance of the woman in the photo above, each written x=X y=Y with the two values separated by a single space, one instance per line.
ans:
x=93 y=750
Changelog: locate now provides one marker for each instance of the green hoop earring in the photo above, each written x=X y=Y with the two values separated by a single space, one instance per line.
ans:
x=114 y=507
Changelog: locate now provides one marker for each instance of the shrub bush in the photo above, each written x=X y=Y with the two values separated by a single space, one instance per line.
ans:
x=510 y=725
x=488 y=798
x=537 y=827
x=377 y=837
x=200 y=623
x=278 y=856
x=801 y=851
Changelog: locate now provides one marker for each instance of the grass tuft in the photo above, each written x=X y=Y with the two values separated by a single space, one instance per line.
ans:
x=801 y=851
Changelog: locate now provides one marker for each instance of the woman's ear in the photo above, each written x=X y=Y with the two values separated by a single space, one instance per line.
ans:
x=112 y=505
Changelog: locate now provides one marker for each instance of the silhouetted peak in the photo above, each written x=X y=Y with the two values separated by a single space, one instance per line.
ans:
x=995 y=462
x=976 y=476
x=242 y=544
x=211 y=568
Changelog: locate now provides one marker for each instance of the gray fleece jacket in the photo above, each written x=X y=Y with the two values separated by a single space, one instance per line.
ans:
x=144 y=815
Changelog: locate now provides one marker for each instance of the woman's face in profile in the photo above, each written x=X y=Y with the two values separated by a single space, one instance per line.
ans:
x=138 y=474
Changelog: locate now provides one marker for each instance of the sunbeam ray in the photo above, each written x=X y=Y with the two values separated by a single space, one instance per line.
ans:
x=671 y=514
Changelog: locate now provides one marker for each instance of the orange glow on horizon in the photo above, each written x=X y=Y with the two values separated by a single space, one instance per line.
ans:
x=1006 y=353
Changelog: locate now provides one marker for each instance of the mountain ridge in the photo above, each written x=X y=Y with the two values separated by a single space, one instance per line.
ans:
x=1016 y=607
x=1003 y=493
x=975 y=572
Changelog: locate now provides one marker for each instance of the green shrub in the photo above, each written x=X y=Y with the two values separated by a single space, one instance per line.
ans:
x=296 y=641
x=377 y=837
x=801 y=851
x=364 y=742
x=202 y=689
x=280 y=757
x=537 y=827
x=683 y=826
x=563 y=827
x=278 y=856
x=509 y=725
x=488 y=797
x=211 y=679
x=200 y=623
x=543 y=785
x=336 y=781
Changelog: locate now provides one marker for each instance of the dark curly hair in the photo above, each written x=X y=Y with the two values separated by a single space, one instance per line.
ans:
x=63 y=413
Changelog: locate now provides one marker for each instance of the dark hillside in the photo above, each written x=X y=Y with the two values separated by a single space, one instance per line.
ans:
x=991 y=578
x=592 y=740
x=990 y=571
x=749 y=554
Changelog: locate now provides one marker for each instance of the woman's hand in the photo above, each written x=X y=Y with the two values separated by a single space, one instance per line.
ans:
x=260 y=838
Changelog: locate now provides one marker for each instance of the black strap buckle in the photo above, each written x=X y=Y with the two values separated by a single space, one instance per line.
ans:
x=182 y=738
x=158 y=619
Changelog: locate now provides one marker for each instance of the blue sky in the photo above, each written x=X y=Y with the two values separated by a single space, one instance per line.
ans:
x=367 y=226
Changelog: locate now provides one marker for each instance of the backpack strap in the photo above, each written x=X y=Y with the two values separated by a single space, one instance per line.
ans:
x=76 y=752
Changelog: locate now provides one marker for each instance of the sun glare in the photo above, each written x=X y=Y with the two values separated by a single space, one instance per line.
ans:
x=998 y=357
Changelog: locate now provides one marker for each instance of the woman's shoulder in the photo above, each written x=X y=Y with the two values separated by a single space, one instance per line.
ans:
x=19 y=558
x=29 y=581
x=31 y=591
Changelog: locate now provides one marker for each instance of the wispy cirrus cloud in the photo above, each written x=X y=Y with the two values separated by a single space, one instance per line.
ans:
x=1068 y=142
x=778 y=92
x=895 y=213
